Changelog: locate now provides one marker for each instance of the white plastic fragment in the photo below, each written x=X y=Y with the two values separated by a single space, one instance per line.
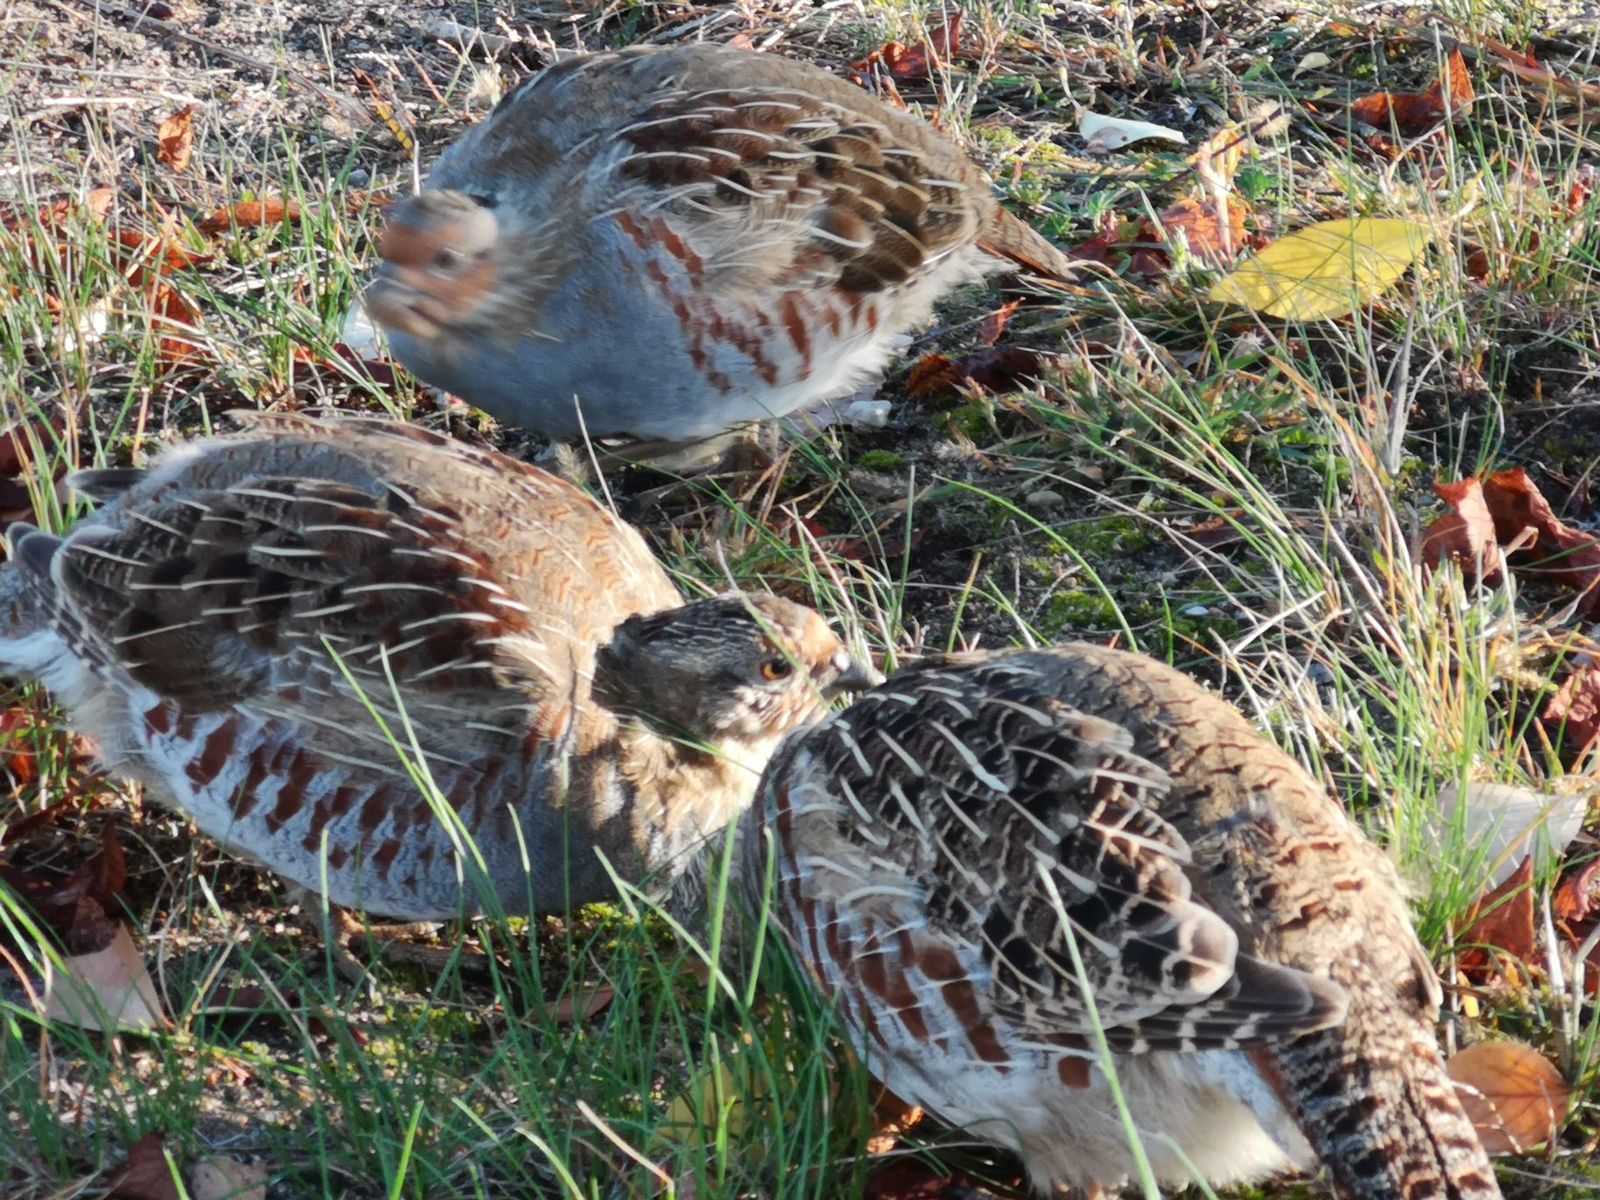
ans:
x=1504 y=823
x=359 y=333
x=1105 y=134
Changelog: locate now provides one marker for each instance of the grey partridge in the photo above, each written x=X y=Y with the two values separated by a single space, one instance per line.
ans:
x=663 y=243
x=254 y=624
x=949 y=843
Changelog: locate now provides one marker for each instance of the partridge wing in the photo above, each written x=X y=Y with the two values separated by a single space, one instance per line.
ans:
x=1021 y=827
x=287 y=574
x=775 y=174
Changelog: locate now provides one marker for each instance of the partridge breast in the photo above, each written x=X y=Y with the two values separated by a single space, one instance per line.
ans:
x=991 y=860
x=746 y=233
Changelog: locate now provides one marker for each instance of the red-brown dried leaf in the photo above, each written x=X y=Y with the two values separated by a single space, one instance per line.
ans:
x=1000 y=367
x=1466 y=536
x=1514 y=1096
x=1528 y=69
x=574 y=1009
x=175 y=139
x=929 y=375
x=913 y=64
x=1476 y=263
x=148 y=263
x=1572 y=717
x=944 y=42
x=892 y=1118
x=995 y=323
x=17 y=442
x=1413 y=114
x=144 y=258
x=1576 y=901
x=249 y=998
x=1502 y=920
x=1202 y=225
x=1216 y=531
x=994 y=369
x=109 y=868
x=1575 y=906
x=1555 y=552
x=1582 y=186
x=89 y=930
x=18 y=831
x=175 y=320
x=146 y=1175
x=1198 y=222
x=249 y=214
x=73 y=906
x=904 y=62
x=1106 y=246
x=16 y=725
x=883 y=86
x=16 y=504
x=95 y=204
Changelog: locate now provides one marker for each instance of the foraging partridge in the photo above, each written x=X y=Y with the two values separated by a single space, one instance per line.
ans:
x=950 y=846
x=669 y=242
x=288 y=631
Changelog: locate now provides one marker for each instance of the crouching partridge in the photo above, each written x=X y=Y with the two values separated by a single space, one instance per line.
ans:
x=952 y=844
x=744 y=234
x=253 y=625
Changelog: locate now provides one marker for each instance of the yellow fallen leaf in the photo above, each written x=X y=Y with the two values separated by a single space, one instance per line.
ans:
x=715 y=1097
x=1325 y=270
x=1314 y=61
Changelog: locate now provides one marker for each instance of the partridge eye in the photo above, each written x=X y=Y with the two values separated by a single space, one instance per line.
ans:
x=777 y=668
x=448 y=259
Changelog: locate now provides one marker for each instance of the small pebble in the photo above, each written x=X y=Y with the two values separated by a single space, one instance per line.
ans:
x=1197 y=610
x=1044 y=499
x=867 y=414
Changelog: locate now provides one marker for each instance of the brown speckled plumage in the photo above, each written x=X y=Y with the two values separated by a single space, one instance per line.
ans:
x=223 y=623
x=681 y=239
x=1248 y=950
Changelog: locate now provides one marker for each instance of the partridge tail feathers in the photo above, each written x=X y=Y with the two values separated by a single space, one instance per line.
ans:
x=1376 y=1104
x=1016 y=241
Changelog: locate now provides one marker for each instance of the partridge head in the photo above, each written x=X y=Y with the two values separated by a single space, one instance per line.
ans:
x=662 y=243
x=280 y=630
x=441 y=265
x=992 y=860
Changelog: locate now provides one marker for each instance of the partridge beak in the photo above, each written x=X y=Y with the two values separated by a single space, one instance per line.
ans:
x=395 y=304
x=855 y=675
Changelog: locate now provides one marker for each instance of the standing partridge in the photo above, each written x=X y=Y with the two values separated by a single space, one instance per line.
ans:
x=285 y=631
x=741 y=234
x=949 y=843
